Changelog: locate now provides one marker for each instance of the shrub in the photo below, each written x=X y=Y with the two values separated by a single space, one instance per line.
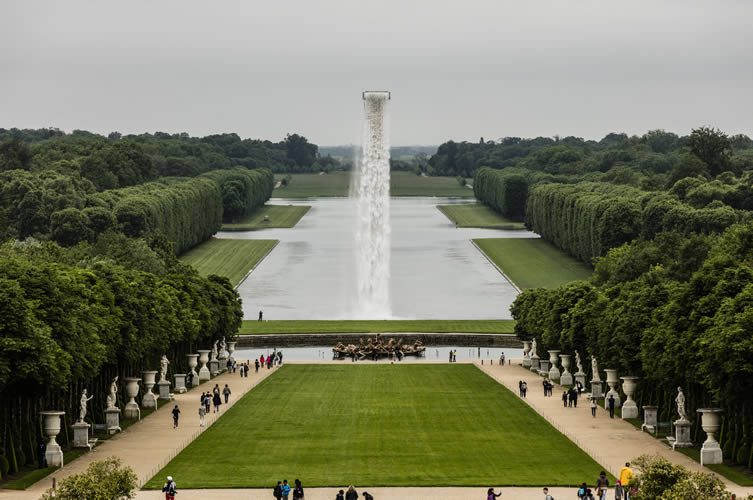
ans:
x=103 y=480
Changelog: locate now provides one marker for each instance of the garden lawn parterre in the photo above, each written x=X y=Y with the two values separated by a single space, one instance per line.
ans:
x=477 y=215
x=379 y=425
x=230 y=258
x=278 y=216
x=252 y=327
x=533 y=262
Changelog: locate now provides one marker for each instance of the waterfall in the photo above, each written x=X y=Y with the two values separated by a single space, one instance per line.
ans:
x=371 y=190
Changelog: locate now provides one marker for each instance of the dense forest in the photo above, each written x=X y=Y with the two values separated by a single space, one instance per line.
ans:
x=666 y=222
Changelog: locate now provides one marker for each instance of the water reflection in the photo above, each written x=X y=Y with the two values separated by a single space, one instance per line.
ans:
x=433 y=354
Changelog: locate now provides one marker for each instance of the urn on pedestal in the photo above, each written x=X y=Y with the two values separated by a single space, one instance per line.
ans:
x=711 y=452
x=132 y=409
x=612 y=381
x=204 y=374
x=629 y=407
x=566 y=378
x=149 y=400
x=192 y=364
x=51 y=427
x=554 y=372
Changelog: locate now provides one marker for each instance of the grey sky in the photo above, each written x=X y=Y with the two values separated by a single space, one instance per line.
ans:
x=457 y=69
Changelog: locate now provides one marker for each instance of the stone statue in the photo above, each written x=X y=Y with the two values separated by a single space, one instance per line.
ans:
x=82 y=410
x=595 y=369
x=163 y=369
x=214 y=351
x=112 y=398
x=680 y=400
x=578 y=362
x=533 y=348
x=223 y=346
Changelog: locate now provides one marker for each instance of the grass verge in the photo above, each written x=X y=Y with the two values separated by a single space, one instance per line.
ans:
x=477 y=215
x=533 y=262
x=250 y=327
x=233 y=259
x=380 y=425
x=268 y=216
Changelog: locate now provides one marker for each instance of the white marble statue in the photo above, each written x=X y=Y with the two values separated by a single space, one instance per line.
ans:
x=533 y=347
x=578 y=362
x=680 y=400
x=82 y=409
x=595 y=368
x=223 y=347
x=163 y=369
x=112 y=397
x=214 y=351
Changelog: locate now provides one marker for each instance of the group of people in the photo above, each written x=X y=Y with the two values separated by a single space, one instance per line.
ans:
x=548 y=387
x=271 y=360
x=213 y=398
x=522 y=388
x=283 y=490
x=352 y=494
x=453 y=356
x=570 y=398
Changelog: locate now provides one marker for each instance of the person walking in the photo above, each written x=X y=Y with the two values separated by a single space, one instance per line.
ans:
x=202 y=415
x=261 y=314
x=593 y=407
x=261 y=360
x=565 y=397
x=490 y=495
x=170 y=489
x=547 y=496
x=176 y=414
x=626 y=476
x=574 y=397
x=367 y=496
x=298 y=490
x=207 y=401
x=217 y=400
x=226 y=393
x=525 y=389
x=619 y=493
x=277 y=492
x=602 y=486
x=352 y=494
x=582 y=491
x=256 y=365
x=285 y=489
x=340 y=495
x=610 y=403
x=520 y=388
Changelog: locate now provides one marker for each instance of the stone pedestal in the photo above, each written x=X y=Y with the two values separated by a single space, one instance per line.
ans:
x=596 y=389
x=526 y=351
x=629 y=407
x=554 y=371
x=193 y=362
x=650 y=418
x=51 y=428
x=682 y=434
x=581 y=377
x=214 y=367
x=164 y=390
x=81 y=435
x=544 y=368
x=112 y=419
x=711 y=452
x=180 y=383
x=204 y=373
x=566 y=378
x=612 y=381
x=132 y=409
x=535 y=363
x=149 y=400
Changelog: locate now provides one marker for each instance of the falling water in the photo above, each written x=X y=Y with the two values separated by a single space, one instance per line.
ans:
x=371 y=190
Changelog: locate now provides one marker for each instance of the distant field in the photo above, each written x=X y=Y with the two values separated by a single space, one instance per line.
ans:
x=533 y=262
x=230 y=258
x=395 y=326
x=401 y=184
x=379 y=425
x=477 y=215
x=279 y=216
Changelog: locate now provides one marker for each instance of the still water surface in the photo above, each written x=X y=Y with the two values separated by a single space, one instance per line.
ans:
x=436 y=271
x=324 y=353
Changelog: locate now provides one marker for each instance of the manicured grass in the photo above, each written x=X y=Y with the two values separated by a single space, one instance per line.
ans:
x=477 y=215
x=735 y=473
x=379 y=425
x=278 y=215
x=533 y=262
x=401 y=184
x=230 y=258
x=251 y=327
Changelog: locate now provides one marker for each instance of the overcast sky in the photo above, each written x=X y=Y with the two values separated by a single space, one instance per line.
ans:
x=456 y=69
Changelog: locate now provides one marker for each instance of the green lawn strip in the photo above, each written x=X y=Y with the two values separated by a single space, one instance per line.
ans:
x=230 y=258
x=477 y=215
x=277 y=216
x=533 y=262
x=735 y=473
x=401 y=184
x=250 y=327
x=379 y=425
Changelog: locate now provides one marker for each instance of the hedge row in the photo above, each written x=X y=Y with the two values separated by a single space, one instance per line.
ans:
x=242 y=190
x=506 y=190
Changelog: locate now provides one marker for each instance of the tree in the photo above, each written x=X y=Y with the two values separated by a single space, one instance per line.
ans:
x=69 y=226
x=14 y=154
x=103 y=480
x=300 y=151
x=713 y=147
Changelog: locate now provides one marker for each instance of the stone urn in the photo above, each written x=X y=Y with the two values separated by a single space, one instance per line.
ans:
x=526 y=359
x=132 y=409
x=204 y=374
x=149 y=400
x=711 y=452
x=554 y=371
x=230 y=351
x=51 y=427
x=193 y=362
x=566 y=378
x=629 y=407
x=612 y=381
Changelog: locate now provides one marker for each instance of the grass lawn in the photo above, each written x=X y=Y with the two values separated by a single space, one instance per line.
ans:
x=533 y=262
x=379 y=425
x=401 y=184
x=230 y=258
x=477 y=215
x=251 y=327
x=279 y=216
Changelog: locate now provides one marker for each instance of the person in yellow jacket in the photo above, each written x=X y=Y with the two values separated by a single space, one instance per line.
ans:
x=626 y=475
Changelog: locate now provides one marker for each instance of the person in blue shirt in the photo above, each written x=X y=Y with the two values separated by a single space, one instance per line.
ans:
x=285 y=489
